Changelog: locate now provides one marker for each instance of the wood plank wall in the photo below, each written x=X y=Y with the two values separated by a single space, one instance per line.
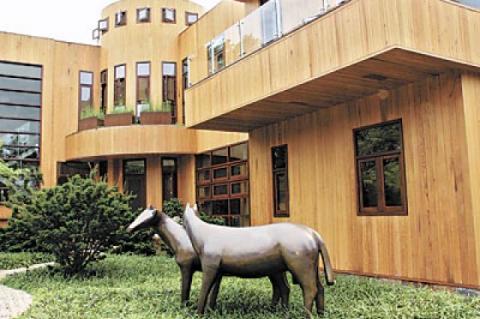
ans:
x=438 y=240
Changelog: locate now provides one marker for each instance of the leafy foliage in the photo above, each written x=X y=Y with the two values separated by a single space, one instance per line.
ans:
x=90 y=111
x=136 y=287
x=18 y=260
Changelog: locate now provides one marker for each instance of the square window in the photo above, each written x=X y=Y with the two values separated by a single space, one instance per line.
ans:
x=143 y=69
x=86 y=78
x=190 y=18
x=103 y=25
x=121 y=18
x=169 y=15
x=120 y=72
x=143 y=15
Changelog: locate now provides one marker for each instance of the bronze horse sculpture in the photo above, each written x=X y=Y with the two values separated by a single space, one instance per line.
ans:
x=257 y=252
x=176 y=238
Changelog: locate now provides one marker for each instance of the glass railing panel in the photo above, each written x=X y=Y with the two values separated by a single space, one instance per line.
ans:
x=295 y=15
x=251 y=31
x=270 y=23
x=232 y=44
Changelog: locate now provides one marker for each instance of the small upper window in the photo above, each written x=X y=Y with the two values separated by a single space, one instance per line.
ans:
x=380 y=169
x=169 y=15
x=120 y=18
x=143 y=15
x=103 y=25
x=190 y=18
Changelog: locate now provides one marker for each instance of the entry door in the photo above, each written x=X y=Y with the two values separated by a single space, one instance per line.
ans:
x=169 y=178
x=135 y=181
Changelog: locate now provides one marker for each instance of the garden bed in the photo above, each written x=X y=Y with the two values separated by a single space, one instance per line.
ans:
x=149 y=287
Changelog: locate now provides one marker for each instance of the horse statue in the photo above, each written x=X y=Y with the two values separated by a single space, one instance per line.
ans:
x=176 y=238
x=259 y=251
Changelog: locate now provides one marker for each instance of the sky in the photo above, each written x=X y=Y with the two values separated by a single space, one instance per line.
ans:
x=67 y=20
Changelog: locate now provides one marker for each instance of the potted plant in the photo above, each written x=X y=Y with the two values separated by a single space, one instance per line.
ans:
x=158 y=114
x=120 y=116
x=90 y=118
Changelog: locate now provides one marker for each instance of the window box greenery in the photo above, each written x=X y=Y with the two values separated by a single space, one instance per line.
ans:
x=158 y=114
x=90 y=118
x=120 y=116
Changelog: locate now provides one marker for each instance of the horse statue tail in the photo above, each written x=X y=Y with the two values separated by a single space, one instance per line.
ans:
x=327 y=266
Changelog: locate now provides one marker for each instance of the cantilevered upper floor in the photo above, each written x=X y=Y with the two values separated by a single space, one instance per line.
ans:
x=284 y=60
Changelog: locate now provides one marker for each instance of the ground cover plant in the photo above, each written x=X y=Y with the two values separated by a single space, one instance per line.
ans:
x=18 y=260
x=149 y=287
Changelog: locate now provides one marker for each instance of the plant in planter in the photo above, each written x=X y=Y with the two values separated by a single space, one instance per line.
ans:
x=157 y=114
x=121 y=115
x=90 y=118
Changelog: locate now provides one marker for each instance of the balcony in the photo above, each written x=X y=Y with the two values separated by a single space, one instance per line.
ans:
x=286 y=59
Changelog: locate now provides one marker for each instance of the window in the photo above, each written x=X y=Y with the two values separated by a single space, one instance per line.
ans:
x=190 y=18
x=216 y=54
x=20 y=116
x=103 y=26
x=104 y=91
x=143 y=86
x=185 y=83
x=169 y=178
x=120 y=18
x=280 y=181
x=222 y=184
x=380 y=169
x=169 y=86
x=169 y=15
x=120 y=86
x=143 y=15
x=85 y=91
x=135 y=181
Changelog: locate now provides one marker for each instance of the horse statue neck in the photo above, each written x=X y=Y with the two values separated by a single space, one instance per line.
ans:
x=174 y=235
x=196 y=228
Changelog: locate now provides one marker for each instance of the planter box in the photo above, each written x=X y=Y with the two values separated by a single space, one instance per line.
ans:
x=121 y=119
x=149 y=118
x=89 y=124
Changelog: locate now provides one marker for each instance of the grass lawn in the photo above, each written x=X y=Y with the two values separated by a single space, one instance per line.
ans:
x=17 y=260
x=149 y=287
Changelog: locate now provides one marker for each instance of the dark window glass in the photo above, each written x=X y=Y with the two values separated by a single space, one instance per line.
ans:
x=219 y=190
x=143 y=15
x=239 y=206
x=135 y=182
x=368 y=173
x=203 y=176
x=203 y=160
x=20 y=84
x=220 y=173
x=104 y=91
x=86 y=91
x=143 y=86
x=204 y=192
x=18 y=152
x=280 y=180
x=169 y=175
x=120 y=18
x=379 y=157
x=220 y=207
x=21 y=98
x=185 y=82
x=103 y=170
x=3 y=194
x=19 y=70
x=239 y=188
x=220 y=156
x=20 y=112
x=238 y=171
x=119 y=97
x=169 y=87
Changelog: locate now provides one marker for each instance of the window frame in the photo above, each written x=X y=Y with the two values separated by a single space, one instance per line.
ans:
x=149 y=10
x=175 y=180
x=275 y=172
x=115 y=82
x=81 y=86
x=187 y=14
x=104 y=91
x=164 y=18
x=138 y=78
x=103 y=31
x=381 y=209
x=124 y=20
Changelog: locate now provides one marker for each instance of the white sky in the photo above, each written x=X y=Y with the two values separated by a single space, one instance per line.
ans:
x=68 y=20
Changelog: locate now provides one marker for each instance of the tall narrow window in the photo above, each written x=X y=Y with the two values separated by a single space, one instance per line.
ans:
x=120 y=18
x=104 y=91
x=216 y=54
x=190 y=18
x=169 y=178
x=143 y=86
x=280 y=181
x=143 y=15
x=380 y=169
x=135 y=181
x=169 y=86
x=120 y=86
x=185 y=83
x=85 y=91
x=169 y=15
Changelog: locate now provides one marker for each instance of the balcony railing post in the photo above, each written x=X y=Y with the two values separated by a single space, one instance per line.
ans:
x=278 y=11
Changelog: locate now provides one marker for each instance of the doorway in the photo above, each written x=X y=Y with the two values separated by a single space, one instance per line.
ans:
x=135 y=182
